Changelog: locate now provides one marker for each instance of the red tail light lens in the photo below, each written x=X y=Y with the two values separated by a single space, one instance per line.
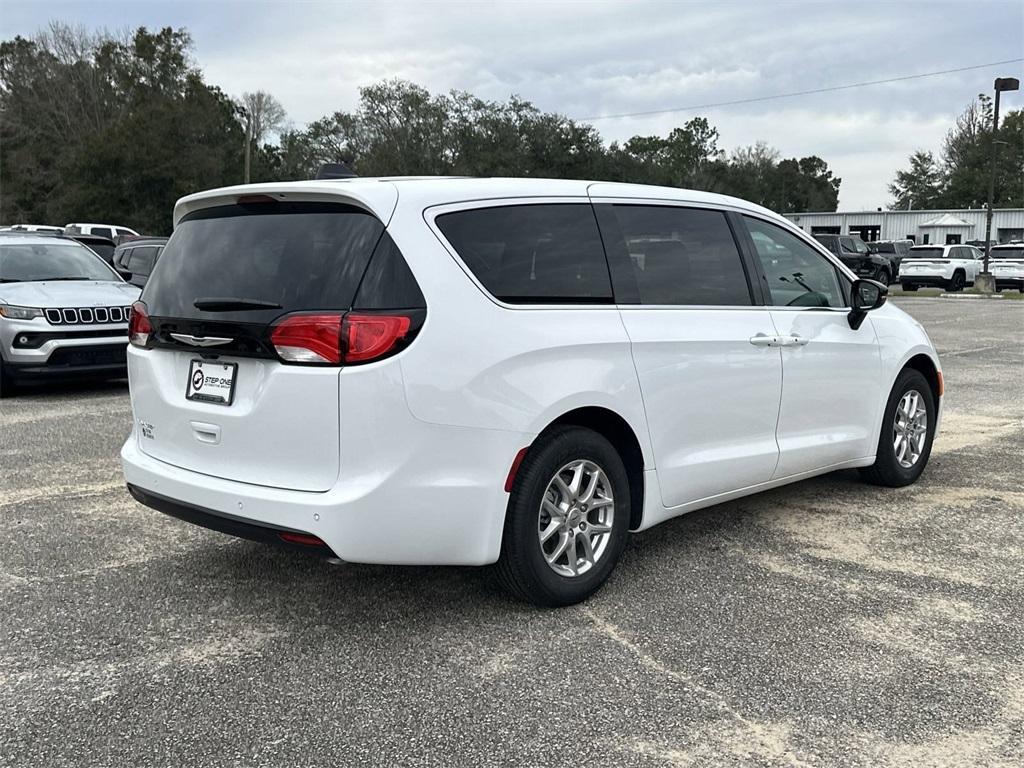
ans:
x=308 y=339
x=368 y=337
x=339 y=339
x=139 y=327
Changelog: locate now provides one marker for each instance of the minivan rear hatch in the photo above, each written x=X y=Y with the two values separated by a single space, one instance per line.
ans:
x=225 y=277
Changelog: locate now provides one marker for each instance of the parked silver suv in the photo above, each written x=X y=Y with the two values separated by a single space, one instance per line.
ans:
x=63 y=311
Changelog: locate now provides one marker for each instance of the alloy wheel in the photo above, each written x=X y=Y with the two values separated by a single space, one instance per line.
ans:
x=910 y=428
x=575 y=518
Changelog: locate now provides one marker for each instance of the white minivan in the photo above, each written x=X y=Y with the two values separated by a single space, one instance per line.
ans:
x=509 y=371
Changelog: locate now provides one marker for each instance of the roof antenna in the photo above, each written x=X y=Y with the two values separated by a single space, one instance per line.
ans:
x=335 y=171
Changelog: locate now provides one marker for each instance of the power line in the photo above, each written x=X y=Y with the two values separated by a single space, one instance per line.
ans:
x=797 y=93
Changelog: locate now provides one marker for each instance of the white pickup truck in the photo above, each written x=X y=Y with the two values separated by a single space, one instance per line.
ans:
x=946 y=266
x=1006 y=263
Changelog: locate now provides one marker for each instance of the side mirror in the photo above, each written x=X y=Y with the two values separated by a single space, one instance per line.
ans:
x=866 y=296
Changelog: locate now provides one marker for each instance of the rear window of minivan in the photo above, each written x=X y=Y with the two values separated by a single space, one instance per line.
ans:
x=532 y=254
x=300 y=256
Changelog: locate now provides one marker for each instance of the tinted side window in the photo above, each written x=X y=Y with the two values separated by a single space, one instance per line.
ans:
x=530 y=254
x=832 y=243
x=388 y=282
x=681 y=255
x=798 y=276
x=142 y=260
x=103 y=232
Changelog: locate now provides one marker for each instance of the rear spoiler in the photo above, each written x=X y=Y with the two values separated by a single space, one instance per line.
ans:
x=378 y=197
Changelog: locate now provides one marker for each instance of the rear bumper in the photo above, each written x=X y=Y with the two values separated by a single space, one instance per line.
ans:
x=929 y=280
x=1003 y=281
x=218 y=521
x=438 y=501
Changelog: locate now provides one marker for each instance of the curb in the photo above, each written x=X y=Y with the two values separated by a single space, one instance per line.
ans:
x=968 y=296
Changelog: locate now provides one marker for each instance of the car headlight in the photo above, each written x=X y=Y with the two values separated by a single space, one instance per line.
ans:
x=20 y=313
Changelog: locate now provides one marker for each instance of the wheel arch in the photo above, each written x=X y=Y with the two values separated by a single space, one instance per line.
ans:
x=927 y=367
x=623 y=437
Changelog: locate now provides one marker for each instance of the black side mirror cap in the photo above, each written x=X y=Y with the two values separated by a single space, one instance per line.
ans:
x=866 y=295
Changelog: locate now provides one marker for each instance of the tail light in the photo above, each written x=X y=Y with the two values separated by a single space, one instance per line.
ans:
x=341 y=339
x=139 y=327
x=369 y=337
x=308 y=339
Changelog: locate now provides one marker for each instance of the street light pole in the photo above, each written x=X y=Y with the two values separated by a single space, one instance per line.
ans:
x=1001 y=84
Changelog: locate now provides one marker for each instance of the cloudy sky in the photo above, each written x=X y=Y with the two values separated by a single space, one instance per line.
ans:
x=605 y=57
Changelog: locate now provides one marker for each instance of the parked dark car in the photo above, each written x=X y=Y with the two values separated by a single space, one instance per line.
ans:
x=893 y=250
x=854 y=253
x=102 y=246
x=135 y=259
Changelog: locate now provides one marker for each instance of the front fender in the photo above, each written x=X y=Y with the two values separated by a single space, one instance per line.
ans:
x=900 y=339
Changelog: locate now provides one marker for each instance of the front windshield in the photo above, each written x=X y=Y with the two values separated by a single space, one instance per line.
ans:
x=27 y=262
x=1007 y=253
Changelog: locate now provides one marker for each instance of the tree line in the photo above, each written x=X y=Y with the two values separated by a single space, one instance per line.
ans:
x=117 y=127
x=959 y=176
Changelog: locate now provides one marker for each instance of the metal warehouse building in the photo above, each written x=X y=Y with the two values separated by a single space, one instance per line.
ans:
x=954 y=226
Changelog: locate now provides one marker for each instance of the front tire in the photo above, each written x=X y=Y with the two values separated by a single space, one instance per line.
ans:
x=883 y=276
x=567 y=520
x=908 y=429
x=6 y=385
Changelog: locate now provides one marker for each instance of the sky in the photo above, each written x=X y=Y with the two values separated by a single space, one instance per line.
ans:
x=587 y=59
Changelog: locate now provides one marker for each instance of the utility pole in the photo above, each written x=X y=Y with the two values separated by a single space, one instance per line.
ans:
x=249 y=144
x=1001 y=84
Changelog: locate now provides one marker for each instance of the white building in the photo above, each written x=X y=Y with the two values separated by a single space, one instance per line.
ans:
x=951 y=226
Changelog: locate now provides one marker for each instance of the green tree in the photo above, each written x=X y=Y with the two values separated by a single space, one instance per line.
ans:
x=921 y=185
x=112 y=129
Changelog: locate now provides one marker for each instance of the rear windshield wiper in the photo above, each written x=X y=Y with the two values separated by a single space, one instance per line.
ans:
x=230 y=304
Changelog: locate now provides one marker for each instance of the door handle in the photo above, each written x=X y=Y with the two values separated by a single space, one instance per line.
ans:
x=764 y=340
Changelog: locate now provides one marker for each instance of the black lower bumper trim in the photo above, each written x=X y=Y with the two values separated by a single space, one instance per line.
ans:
x=44 y=370
x=925 y=281
x=218 y=521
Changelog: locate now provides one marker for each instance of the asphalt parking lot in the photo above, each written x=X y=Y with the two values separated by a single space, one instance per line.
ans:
x=827 y=623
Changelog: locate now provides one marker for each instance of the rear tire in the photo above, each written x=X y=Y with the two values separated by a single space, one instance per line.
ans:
x=956 y=284
x=539 y=506
x=883 y=276
x=908 y=286
x=895 y=466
